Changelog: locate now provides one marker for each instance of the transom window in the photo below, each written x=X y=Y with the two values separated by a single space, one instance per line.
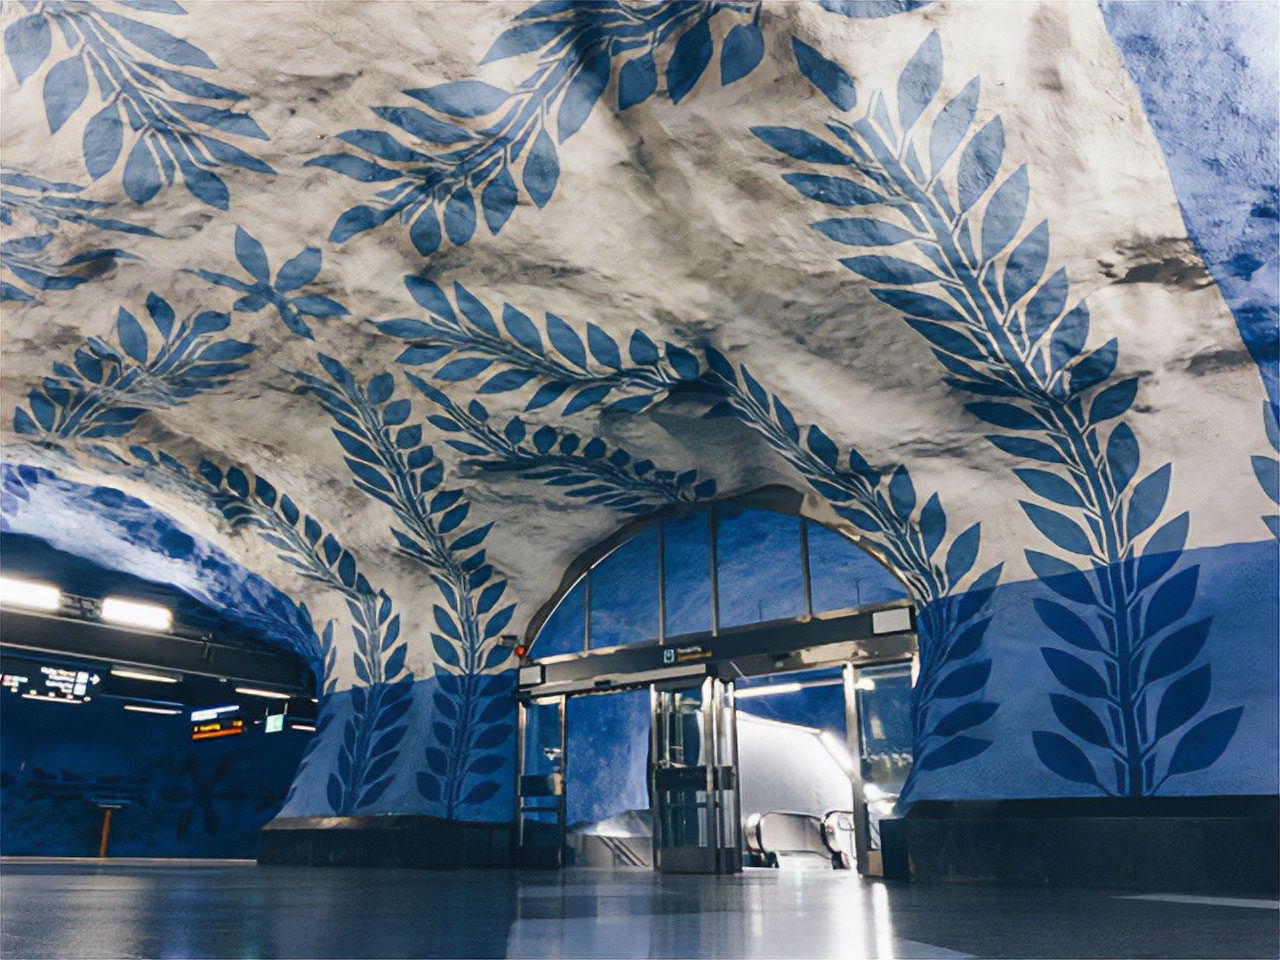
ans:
x=718 y=567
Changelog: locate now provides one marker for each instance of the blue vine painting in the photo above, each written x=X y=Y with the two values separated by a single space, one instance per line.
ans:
x=53 y=208
x=110 y=384
x=157 y=108
x=464 y=152
x=959 y=264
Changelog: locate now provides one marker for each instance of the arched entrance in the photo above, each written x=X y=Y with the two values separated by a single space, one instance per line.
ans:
x=670 y=652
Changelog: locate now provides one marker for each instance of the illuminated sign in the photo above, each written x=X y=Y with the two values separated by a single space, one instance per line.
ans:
x=672 y=655
x=213 y=729
x=212 y=713
x=275 y=723
x=54 y=685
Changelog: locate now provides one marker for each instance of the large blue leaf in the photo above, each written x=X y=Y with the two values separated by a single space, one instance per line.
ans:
x=141 y=175
x=1162 y=550
x=863 y=232
x=1079 y=719
x=1123 y=456
x=964 y=717
x=65 y=87
x=1074 y=674
x=837 y=191
x=741 y=52
x=1067 y=625
x=1026 y=264
x=582 y=93
x=1182 y=700
x=961 y=555
x=1147 y=500
x=1204 y=743
x=103 y=137
x=27 y=42
x=1060 y=577
x=499 y=199
x=1050 y=486
x=524 y=38
x=637 y=81
x=830 y=79
x=1171 y=601
x=963 y=681
x=955 y=750
x=979 y=163
x=1061 y=530
x=131 y=335
x=414 y=122
x=801 y=145
x=951 y=125
x=919 y=81
x=1043 y=308
x=1177 y=650
x=541 y=169
x=689 y=59
x=1063 y=757
x=1005 y=213
x=462 y=98
x=460 y=216
x=1114 y=401
x=886 y=269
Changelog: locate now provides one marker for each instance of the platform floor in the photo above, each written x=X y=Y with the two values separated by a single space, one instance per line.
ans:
x=191 y=909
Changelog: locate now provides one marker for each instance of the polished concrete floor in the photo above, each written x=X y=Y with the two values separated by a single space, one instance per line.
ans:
x=190 y=909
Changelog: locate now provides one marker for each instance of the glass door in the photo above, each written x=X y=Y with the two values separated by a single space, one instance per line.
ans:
x=878 y=704
x=694 y=781
x=540 y=806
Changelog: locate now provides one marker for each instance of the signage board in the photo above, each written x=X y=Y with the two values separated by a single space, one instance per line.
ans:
x=274 y=723
x=212 y=729
x=54 y=684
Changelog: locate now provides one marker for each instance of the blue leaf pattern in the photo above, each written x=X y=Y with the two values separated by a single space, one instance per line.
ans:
x=1055 y=403
x=179 y=122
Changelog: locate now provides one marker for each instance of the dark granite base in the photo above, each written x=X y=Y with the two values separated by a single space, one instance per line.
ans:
x=386 y=841
x=1193 y=845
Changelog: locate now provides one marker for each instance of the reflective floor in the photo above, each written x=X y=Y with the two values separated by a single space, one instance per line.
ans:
x=189 y=909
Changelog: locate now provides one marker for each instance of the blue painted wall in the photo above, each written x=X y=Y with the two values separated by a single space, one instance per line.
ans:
x=185 y=799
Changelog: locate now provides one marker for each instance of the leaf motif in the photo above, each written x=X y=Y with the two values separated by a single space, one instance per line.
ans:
x=499 y=199
x=1060 y=577
x=637 y=81
x=524 y=38
x=1162 y=551
x=65 y=87
x=27 y=42
x=951 y=125
x=863 y=232
x=1067 y=625
x=955 y=750
x=979 y=162
x=1203 y=744
x=826 y=75
x=1005 y=213
x=964 y=717
x=837 y=191
x=462 y=98
x=1080 y=720
x=1114 y=401
x=131 y=335
x=581 y=95
x=741 y=52
x=1171 y=601
x=1061 y=530
x=962 y=554
x=460 y=216
x=1182 y=700
x=1074 y=674
x=689 y=59
x=963 y=681
x=102 y=140
x=1063 y=757
x=801 y=145
x=919 y=81
x=885 y=269
x=541 y=170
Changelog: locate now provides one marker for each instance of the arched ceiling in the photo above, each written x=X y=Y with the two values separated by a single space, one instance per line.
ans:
x=345 y=248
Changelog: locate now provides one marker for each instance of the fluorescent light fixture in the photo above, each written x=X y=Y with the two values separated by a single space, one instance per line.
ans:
x=212 y=713
x=839 y=751
x=302 y=726
x=768 y=689
x=259 y=692
x=138 y=708
x=134 y=674
x=133 y=614
x=26 y=593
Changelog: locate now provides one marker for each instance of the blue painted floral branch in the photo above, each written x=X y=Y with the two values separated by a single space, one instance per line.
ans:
x=53 y=206
x=391 y=463
x=559 y=458
x=108 y=387
x=260 y=290
x=882 y=505
x=144 y=78
x=473 y=135
x=581 y=371
x=1004 y=333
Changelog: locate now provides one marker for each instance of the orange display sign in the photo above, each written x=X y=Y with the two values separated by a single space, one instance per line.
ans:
x=216 y=728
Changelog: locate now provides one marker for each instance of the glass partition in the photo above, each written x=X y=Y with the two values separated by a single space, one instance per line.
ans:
x=759 y=566
x=624 y=593
x=718 y=567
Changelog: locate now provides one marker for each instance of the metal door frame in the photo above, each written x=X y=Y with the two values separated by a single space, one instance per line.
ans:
x=721 y=854
x=524 y=853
